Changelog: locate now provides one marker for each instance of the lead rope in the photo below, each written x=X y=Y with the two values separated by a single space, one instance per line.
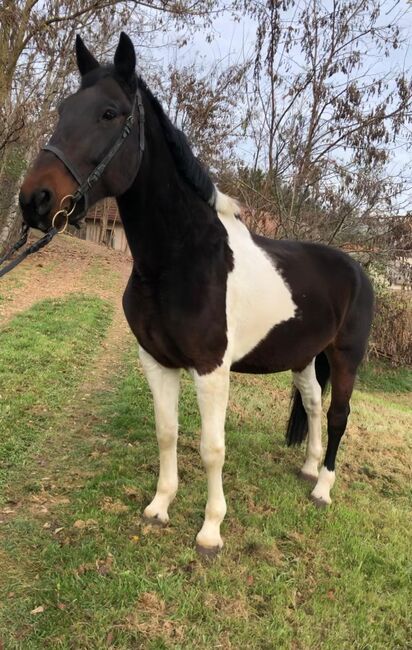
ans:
x=17 y=245
x=40 y=243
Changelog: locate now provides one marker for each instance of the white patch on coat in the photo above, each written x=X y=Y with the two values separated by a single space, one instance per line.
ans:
x=257 y=296
x=311 y=393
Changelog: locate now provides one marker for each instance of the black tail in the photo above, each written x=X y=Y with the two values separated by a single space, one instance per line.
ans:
x=297 y=428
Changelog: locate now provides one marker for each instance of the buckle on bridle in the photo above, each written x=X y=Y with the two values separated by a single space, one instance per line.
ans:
x=66 y=221
x=72 y=204
x=65 y=211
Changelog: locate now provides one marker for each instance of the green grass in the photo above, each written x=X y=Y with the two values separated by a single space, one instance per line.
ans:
x=44 y=353
x=290 y=576
x=382 y=376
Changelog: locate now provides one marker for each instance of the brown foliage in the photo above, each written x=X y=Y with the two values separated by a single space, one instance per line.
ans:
x=392 y=327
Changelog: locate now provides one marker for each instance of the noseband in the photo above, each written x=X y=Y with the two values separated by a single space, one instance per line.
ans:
x=69 y=202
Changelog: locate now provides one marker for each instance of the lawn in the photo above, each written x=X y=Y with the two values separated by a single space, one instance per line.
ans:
x=81 y=570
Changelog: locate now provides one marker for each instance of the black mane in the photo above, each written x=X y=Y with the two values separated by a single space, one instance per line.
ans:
x=186 y=162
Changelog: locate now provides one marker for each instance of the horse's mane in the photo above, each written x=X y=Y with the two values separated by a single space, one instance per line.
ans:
x=188 y=165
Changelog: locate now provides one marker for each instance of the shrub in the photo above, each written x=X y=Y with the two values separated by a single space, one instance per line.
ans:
x=391 y=336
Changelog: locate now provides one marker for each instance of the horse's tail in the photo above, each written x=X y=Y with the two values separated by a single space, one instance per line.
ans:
x=297 y=428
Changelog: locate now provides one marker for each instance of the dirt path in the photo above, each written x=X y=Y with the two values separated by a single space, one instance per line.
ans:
x=67 y=265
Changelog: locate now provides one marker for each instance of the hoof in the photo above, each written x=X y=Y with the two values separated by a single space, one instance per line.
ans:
x=208 y=551
x=310 y=478
x=319 y=503
x=155 y=521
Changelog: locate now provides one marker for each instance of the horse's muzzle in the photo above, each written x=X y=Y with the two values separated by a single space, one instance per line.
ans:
x=36 y=207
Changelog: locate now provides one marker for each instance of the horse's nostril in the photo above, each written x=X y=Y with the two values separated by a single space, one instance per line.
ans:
x=43 y=201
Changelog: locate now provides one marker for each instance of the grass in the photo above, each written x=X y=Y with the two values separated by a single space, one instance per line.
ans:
x=290 y=576
x=44 y=353
x=381 y=376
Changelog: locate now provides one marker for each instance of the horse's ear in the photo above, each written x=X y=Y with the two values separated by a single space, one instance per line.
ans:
x=85 y=59
x=125 y=57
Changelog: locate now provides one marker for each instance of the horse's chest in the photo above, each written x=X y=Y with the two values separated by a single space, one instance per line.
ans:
x=142 y=315
x=183 y=329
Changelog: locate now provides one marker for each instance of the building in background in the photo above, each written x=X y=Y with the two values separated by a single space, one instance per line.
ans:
x=103 y=226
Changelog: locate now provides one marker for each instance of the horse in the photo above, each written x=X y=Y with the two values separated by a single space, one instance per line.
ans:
x=205 y=294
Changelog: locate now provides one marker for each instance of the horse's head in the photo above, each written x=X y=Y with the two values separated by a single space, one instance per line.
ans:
x=90 y=122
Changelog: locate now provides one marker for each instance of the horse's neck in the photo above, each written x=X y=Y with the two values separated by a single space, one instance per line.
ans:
x=164 y=219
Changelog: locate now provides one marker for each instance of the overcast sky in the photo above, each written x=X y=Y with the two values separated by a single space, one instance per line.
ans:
x=233 y=42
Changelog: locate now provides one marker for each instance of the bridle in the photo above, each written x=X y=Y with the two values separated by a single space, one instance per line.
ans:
x=69 y=203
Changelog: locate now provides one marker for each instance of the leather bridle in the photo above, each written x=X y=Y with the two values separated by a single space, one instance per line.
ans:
x=69 y=203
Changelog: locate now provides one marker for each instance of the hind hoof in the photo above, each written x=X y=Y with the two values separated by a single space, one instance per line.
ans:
x=319 y=502
x=208 y=551
x=154 y=521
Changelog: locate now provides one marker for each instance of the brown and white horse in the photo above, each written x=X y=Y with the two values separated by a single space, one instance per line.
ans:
x=205 y=294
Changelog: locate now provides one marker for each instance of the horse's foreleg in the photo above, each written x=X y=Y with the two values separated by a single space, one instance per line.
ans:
x=164 y=384
x=212 y=394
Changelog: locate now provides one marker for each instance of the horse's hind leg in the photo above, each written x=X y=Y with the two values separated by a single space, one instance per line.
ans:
x=164 y=384
x=344 y=364
x=311 y=394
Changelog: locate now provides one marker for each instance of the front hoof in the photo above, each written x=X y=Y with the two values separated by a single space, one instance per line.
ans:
x=309 y=478
x=320 y=502
x=155 y=521
x=208 y=551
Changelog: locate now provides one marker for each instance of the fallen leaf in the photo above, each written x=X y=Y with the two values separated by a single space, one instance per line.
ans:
x=104 y=567
x=135 y=539
x=58 y=530
x=37 y=610
x=91 y=523
x=131 y=492
x=331 y=595
x=61 y=605
x=47 y=525
x=109 y=638
x=250 y=580
x=114 y=507
x=79 y=524
x=85 y=523
x=83 y=568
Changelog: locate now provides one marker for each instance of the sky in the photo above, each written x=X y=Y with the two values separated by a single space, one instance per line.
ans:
x=233 y=42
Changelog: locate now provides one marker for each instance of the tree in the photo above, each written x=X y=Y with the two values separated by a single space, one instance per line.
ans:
x=328 y=110
x=208 y=106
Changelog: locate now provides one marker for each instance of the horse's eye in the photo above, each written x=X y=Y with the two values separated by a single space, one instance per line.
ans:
x=110 y=114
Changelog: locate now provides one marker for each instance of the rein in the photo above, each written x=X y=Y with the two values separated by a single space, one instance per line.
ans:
x=69 y=202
